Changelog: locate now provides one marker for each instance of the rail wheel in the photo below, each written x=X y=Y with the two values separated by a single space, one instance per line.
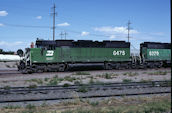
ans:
x=62 y=67
x=160 y=65
x=108 y=66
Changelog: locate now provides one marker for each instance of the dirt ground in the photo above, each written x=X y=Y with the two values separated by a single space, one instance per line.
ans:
x=139 y=104
x=8 y=65
x=91 y=76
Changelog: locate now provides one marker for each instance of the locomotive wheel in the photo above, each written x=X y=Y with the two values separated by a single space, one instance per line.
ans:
x=21 y=66
x=61 y=68
x=26 y=71
x=160 y=65
x=152 y=65
x=39 y=71
x=108 y=66
x=118 y=66
x=127 y=66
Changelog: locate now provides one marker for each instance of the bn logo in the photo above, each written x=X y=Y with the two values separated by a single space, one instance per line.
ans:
x=50 y=53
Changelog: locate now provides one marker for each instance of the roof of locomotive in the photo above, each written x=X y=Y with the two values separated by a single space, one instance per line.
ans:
x=156 y=45
x=83 y=43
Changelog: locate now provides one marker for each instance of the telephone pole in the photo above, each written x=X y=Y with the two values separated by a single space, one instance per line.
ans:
x=65 y=35
x=54 y=14
x=61 y=34
x=128 y=28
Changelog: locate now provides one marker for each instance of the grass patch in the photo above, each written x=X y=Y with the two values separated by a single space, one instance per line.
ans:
x=46 y=79
x=7 y=87
x=158 y=73
x=127 y=80
x=30 y=106
x=32 y=86
x=81 y=73
x=30 y=109
x=55 y=80
x=160 y=106
x=105 y=75
x=44 y=104
x=94 y=104
x=69 y=78
x=83 y=89
x=38 y=81
x=131 y=74
x=99 y=82
x=142 y=80
x=91 y=81
x=66 y=85
x=11 y=107
x=77 y=82
x=155 y=104
x=144 y=72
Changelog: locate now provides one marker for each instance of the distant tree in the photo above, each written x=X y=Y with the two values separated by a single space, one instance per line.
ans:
x=1 y=50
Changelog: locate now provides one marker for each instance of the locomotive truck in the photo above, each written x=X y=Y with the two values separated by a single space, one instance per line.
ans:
x=59 y=55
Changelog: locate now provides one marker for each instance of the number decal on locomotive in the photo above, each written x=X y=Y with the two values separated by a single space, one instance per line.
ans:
x=50 y=53
x=120 y=52
x=153 y=53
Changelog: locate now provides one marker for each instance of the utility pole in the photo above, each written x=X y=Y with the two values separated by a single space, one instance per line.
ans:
x=65 y=35
x=128 y=28
x=61 y=34
x=54 y=14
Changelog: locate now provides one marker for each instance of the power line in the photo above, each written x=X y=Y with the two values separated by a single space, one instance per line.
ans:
x=68 y=30
x=25 y=26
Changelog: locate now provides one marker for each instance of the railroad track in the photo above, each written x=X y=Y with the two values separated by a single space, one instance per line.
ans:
x=9 y=72
x=16 y=72
x=46 y=93
x=87 y=97
x=108 y=85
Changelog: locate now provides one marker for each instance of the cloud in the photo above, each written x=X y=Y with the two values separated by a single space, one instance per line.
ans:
x=18 y=43
x=1 y=24
x=112 y=37
x=84 y=33
x=157 y=33
x=63 y=24
x=3 y=13
x=3 y=43
x=12 y=46
x=39 y=17
x=113 y=30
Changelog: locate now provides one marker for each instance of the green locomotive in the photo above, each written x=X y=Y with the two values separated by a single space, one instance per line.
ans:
x=58 y=55
x=155 y=54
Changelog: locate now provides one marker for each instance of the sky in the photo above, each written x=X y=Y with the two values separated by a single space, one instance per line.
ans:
x=23 y=21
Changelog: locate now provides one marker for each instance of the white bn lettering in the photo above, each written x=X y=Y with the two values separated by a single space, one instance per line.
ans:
x=50 y=53
x=120 y=52
x=153 y=53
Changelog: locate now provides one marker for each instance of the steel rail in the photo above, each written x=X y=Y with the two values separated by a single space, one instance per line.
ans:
x=109 y=85
x=95 y=96
x=5 y=72
x=90 y=86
